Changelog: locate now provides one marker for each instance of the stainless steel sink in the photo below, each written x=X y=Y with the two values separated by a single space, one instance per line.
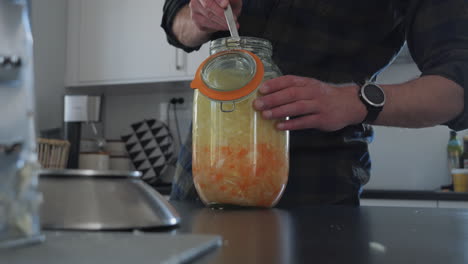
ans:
x=102 y=200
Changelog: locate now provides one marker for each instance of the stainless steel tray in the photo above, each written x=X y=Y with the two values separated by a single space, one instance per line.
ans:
x=100 y=200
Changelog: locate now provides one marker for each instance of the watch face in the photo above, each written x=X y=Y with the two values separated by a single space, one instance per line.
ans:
x=374 y=95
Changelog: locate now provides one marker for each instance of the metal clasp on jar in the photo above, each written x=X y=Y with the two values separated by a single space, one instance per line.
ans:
x=230 y=110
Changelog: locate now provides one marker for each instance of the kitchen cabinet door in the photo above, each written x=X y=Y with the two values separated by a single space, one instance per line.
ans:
x=120 y=41
x=195 y=58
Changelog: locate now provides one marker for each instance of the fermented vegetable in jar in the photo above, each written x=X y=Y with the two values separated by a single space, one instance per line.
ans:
x=239 y=158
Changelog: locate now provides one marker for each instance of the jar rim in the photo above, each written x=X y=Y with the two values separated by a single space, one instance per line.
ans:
x=243 y=62
x=230 y=95
x=244 y=43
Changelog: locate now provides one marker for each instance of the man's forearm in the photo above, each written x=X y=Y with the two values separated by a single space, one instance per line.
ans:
x=186 y=31
x=423 y=102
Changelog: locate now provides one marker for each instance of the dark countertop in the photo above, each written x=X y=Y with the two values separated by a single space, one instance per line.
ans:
x=414 y=195
x=331 y=234
x=389 y=194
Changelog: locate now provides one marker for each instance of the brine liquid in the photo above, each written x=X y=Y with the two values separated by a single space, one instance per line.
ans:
x=238 y=157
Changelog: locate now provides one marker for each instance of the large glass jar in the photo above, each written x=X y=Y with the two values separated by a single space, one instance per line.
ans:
x=239 y=158
x=19 y=195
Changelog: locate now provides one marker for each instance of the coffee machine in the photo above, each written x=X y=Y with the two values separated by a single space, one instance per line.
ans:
x=19 y=196
x=79 y=109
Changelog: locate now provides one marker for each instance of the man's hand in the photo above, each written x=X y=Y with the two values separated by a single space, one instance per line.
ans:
x=424 y=102
x=318 y=105
x=195 y=22
x=208 y=15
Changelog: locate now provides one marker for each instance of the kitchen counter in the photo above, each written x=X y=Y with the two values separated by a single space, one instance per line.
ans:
x=306 y=234
x=414 y=195
x=111 y=248
x=331 y=234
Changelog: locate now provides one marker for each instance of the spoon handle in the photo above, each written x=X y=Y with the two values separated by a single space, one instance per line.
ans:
x=231 y=22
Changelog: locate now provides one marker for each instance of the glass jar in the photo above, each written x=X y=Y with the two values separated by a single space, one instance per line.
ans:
x=239 y=158
x=19 y=195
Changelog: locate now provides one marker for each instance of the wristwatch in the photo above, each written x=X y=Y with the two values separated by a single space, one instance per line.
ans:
x=373 y=97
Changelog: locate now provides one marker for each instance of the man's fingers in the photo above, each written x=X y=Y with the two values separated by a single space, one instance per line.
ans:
x=220 y=20
x=286 y=81
x=213 y=11
x=205 y=19
x=236 y=7
x=205 y=24
x=298 y=108
x=282 y=97
x=305 y=122
x=223 y=3
x=213 y=7
x=282 y=82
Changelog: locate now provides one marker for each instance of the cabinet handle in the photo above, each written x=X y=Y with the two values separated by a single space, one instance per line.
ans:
x=179 y=66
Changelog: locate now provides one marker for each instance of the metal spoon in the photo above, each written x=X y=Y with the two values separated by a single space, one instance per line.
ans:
x=231 y=22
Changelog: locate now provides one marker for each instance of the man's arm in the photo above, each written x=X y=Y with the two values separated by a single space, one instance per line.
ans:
x=424 y=102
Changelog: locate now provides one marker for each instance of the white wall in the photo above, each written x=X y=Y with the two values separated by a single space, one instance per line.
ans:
x=411 y=159
x=49 y=25
x=122 y=110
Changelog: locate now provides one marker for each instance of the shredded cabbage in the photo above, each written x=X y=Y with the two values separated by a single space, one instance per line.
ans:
x=239 y=158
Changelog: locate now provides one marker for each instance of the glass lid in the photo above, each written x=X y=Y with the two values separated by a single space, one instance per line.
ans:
x=229 y=72
x=229 y=75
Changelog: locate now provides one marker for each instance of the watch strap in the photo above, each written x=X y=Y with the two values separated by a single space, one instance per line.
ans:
x=372 y=113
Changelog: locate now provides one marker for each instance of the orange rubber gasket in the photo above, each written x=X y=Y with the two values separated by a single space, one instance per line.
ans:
x=199 y=84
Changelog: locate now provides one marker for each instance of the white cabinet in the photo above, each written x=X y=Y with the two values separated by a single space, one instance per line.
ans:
x=194 y=59
x=121 y=41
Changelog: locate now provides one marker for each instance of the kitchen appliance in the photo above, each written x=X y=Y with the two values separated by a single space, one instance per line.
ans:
x=102 y=200
x=19 y=198
x=79 y=109
x=94 y=161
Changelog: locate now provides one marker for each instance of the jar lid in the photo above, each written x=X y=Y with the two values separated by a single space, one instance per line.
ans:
x=229 y=75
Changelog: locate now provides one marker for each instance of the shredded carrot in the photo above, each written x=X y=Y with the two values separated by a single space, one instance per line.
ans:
x=242 y=153
x=241 y=179
x=218 y=177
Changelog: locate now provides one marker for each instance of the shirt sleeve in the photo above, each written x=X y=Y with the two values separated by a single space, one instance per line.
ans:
x=437 y=34
x=170 y=10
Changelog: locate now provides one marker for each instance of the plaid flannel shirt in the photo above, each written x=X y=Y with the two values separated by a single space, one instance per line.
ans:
x=340 y=41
